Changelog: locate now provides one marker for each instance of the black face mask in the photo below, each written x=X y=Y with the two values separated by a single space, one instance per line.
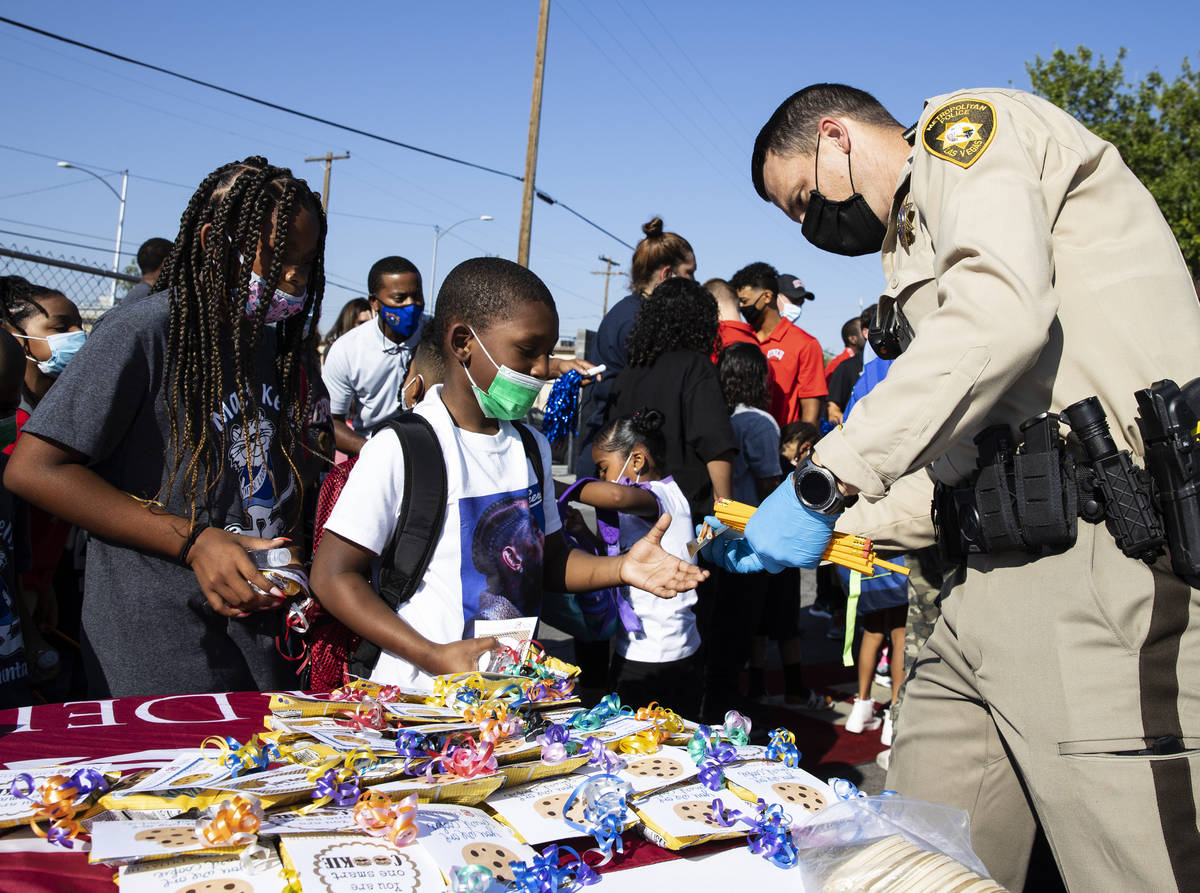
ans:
x=848 y=227
x=753 y=314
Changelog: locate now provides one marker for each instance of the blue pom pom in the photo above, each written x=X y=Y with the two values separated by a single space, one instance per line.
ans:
x=562 y=407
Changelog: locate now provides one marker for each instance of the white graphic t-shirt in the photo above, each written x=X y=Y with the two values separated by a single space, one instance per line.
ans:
x=488 y=561
x=668 y=624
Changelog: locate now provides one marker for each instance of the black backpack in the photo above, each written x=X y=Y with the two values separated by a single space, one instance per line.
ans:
x=408 y=553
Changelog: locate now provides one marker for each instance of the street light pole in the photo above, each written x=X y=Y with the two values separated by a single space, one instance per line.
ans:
x=112 y=295
x=438 y=232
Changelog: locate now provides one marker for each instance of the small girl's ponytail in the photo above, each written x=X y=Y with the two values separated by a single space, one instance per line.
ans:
x=643 y=427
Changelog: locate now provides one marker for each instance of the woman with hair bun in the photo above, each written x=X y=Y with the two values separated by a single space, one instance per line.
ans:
x=670 y=370
x=657 y=662
x=658 y=257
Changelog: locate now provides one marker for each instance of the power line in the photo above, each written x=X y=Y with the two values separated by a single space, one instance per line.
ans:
x=9 y=232
x=300 y=114
x=263 y=102
x=45 y=188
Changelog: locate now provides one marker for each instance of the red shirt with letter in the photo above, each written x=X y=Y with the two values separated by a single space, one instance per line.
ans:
x=795 y=361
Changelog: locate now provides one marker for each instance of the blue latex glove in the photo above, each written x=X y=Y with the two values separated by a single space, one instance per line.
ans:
x=732 y=552
x=786 y=534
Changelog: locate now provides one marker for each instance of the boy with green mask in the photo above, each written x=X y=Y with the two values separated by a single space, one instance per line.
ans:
x=499 y=526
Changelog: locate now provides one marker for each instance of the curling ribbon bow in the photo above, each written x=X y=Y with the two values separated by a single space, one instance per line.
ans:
x=782 y=747
x=240 y=759
x=234 y=822
x=737 y=728
x=771 y=836
x=711 y=754
x=464 y=760
x=562 y=406
x=605 y=811
x=646 y=741
x=599 y=755
x=608 y=708
x=556 y=743
x=667 y=722
x=470 y=879
x=544 y=873
x=369 y=714
x=339 y=785
x=377 y=815
x=58 y=799
x=770 y=830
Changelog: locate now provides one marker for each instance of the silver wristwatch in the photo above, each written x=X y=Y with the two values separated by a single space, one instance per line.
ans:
x=817 y=489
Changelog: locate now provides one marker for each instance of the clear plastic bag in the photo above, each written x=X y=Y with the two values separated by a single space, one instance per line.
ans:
x=880 y=844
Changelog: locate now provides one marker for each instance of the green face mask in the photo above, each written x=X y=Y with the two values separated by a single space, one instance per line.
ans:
x=510 y=395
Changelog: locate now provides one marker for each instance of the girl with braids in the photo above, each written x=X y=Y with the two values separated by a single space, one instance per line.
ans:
x=657 y=662
x=175 y=435
x=670 y=371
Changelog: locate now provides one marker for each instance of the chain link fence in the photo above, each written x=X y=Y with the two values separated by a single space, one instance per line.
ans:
x=89 y=286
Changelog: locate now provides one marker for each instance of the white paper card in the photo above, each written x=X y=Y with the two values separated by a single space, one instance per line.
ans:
x=337 y=863
x=801 y=795
x=513 y=633
x=200 y=874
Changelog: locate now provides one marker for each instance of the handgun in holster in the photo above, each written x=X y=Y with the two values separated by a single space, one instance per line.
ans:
x=1168 y=419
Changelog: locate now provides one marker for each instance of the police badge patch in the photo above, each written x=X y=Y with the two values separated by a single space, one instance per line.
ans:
x=960 y=131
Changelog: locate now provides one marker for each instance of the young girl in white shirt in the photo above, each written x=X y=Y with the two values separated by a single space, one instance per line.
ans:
x=658 y=662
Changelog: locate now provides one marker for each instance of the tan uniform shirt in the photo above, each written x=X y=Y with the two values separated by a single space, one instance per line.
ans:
x=1035 y=270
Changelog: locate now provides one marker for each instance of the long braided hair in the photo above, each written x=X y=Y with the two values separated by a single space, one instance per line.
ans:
x=247 y=203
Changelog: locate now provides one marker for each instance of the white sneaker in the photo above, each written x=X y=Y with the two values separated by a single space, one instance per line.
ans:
x=862 y=717
x=885 y=737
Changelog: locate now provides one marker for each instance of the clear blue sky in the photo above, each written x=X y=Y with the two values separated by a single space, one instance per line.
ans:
x=650 y=108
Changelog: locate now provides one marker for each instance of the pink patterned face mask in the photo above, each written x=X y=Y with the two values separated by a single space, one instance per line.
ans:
x=282 y=305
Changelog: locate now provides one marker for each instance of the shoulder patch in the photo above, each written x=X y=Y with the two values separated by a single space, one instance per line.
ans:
x=960 y=131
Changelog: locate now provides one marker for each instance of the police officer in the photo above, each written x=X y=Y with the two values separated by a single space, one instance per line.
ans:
x=1026 y=269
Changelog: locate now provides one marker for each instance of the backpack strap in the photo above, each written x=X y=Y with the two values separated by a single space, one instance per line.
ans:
x=534 y=454
x=407 y=555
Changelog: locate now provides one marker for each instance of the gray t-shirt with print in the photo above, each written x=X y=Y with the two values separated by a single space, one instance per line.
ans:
x=147 y=626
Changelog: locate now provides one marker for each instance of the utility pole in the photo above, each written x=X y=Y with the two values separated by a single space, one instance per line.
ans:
x=607 y=273
x=329 y=158
x=535 y=121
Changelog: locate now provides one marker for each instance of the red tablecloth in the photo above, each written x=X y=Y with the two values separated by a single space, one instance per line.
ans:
x=105 y=729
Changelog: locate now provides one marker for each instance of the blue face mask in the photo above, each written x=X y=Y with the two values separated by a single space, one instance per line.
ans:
x=63 y=347
x=402 y=320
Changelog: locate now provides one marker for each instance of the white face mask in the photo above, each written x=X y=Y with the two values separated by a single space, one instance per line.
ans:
x=404 y=404
x=789 y=311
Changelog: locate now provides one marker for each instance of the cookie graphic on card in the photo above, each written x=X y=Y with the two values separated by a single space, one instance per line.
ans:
x=188 y=780
x=169 y=838
x=493 y=857
x=219 y=885
x=551 y=807
x=799 y=794
x=697 y=811
x=655 y=767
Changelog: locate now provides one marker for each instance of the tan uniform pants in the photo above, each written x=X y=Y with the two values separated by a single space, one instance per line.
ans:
x=1041 y=682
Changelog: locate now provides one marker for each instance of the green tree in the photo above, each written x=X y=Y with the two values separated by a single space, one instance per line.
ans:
x=131 y=269
x=1154 y=123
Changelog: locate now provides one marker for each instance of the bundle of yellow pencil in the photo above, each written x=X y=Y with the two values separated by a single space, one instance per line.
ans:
x=854 y=552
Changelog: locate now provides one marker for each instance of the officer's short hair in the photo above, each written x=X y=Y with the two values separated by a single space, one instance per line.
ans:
x=792 y=130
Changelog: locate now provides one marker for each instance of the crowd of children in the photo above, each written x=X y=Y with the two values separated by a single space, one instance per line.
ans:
x=194 y=427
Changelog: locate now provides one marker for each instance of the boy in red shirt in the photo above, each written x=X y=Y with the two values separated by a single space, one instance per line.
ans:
x=794 y=356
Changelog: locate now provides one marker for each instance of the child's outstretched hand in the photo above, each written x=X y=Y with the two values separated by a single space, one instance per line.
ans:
x=650 y=567
x=218 y=559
